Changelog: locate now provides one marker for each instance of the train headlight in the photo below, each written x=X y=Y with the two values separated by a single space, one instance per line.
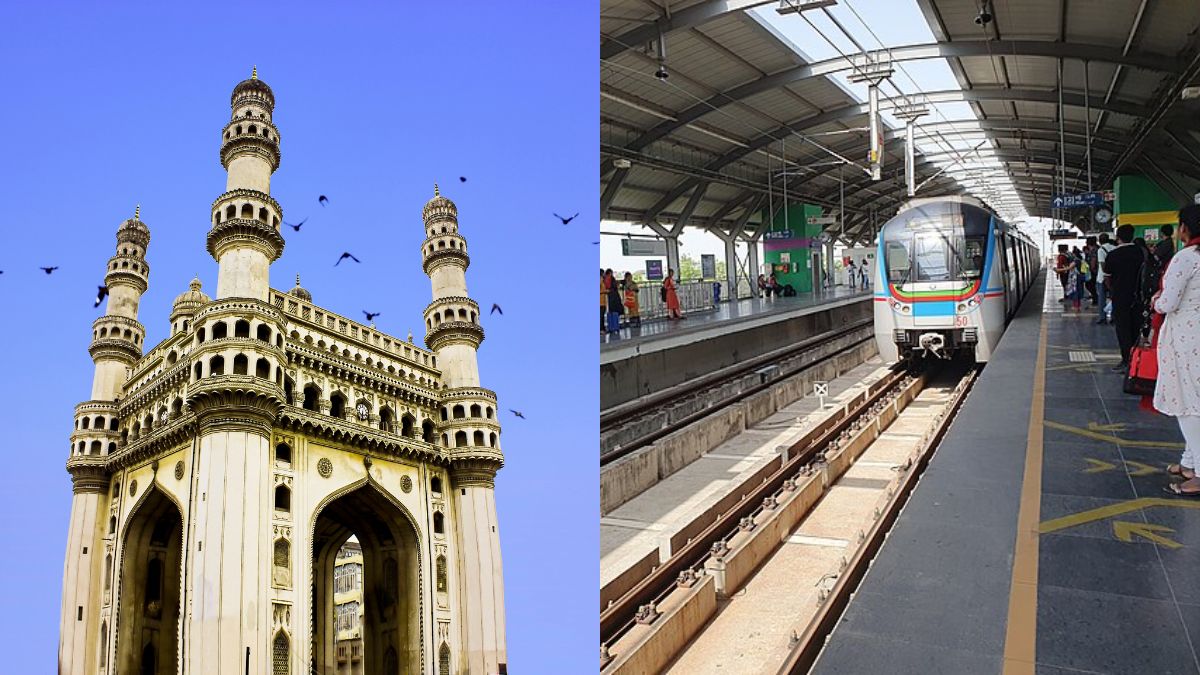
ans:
x=962 y=307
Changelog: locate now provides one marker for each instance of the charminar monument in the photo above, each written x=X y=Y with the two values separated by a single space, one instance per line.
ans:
x=217 y=474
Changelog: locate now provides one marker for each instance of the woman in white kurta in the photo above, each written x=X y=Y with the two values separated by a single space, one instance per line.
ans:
x=1178 y=390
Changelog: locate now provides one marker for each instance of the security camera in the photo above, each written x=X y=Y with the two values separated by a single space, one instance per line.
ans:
x=662 y=73
x=984 y=17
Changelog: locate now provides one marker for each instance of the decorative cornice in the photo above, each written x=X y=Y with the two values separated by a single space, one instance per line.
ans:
x=252 y=194
x=245 y=232
x=222 y=402
x=88 y=474
x=173 y=377
x=383 y=444
x=474 y=471
x=94 y=407
x=452 y=332
x=369 y=378
x=467 y=393
x=444 y=256
x=115 y=349
x=161 y=441
x=240 y=306
x=452 y=299
x=245 y=144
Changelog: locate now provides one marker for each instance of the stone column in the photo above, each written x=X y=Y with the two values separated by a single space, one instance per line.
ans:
x=481 y=582
x=79 y=632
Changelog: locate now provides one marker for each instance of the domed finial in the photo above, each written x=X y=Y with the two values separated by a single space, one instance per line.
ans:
x=435 y=190
x=254 y=73
x=410 y=337
x=297 y=279
x=137 y=212
x=195 y=283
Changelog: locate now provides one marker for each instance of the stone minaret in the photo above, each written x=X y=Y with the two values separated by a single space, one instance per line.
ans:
x=471 y=437
x=236 y=394
x=117 y=339
x=245 y=237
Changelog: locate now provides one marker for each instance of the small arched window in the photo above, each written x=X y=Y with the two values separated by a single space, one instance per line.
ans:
x=435 y=484
x=478 y=439
x=283 y=454
x=220 y=330
x=86 y=422
x=200 y=334
x=177 y=407
x=459 y=412
x=263 y=332
x=241 y=329
x=112 y=525
x=407 y=425
x=283 y=498
x=241 y=365
x=492 y=439
x=442 y=576
x=262 y=368
x=112 y=447
x=113 y=424
x=172 y=358
x=216 y=365
x=476 y=410
x=337 y=406
x=460 y=439
x=199 y=370
x=439 y=523
x=281 y=563
x=427 y=433
x=311 y=396
x=385 y=420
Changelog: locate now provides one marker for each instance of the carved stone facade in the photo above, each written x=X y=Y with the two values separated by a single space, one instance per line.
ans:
x=217 y=474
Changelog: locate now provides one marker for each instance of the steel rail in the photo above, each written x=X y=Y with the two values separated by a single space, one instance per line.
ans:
x=618 y=617
x=741 y=370
x=808 y=648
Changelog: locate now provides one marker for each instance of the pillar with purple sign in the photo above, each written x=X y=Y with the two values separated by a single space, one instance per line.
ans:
x=791 y=249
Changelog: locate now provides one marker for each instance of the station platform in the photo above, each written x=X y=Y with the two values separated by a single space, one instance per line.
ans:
x=1039 y=539
x=663 y=353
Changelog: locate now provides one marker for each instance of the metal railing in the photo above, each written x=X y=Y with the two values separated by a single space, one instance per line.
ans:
x=694 y=296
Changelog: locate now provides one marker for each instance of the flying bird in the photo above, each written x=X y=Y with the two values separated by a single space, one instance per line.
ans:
x=48 y=270
x=101 y=291
x=462 y=179
x=344 y=256
x=516 y=412
x=323 y=200
x=297 y=226
x=371 y=315
x=496 y=308
x=565 y=220
x=595 y=243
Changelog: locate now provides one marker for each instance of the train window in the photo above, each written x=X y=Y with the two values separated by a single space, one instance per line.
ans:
x=898 y=265
x=972 y=259
x=931 y=257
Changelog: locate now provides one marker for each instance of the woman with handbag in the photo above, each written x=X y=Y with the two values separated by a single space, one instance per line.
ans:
x=1177 y=391
x=671 y=297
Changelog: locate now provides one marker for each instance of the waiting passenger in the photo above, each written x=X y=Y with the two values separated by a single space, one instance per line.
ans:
x=864 y=275
x=603 y=304
x=1177 y=391
x=1165 y=248
x=763 y=287
x=672 y=298
x=616 y=304
x=1060 y=266
x=1102 y=294
x=851 y=274
x=1075 y=279
x=631 y=301
x=1121 y=266
x=1089 y=256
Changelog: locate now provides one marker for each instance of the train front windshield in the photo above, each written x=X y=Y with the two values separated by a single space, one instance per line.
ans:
x=935 y=244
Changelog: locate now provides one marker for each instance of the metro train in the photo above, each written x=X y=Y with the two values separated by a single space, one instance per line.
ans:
x=949 y=276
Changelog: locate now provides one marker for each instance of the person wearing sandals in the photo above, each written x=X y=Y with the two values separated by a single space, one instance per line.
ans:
x=1177 y=391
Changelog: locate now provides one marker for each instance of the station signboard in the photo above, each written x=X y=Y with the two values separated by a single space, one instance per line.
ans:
x=654 y=270
x=708 y=266
x=643 y=247
x=821 y=220
x=778 y=234
x=1067 y=201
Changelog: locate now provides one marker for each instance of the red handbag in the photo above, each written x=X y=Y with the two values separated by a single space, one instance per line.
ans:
x=1143 y=368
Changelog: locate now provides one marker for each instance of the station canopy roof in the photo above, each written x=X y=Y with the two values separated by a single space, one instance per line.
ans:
x=745 y=114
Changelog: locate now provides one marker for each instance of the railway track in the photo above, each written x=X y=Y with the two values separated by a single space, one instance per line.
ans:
x=626 y=428
x=647 y=623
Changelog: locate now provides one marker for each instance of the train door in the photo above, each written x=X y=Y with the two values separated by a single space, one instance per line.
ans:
x=1002 y=254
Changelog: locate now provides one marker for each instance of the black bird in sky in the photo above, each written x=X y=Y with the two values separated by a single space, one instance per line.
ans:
x=516 y=412
x=344 y=256
x=566 y=221
x=496 y=308
x=595 y=243
x=371 y=315
x=297 y=226
x=101 y=291
x=462 y=179
x=323 y=200
x=48 y=270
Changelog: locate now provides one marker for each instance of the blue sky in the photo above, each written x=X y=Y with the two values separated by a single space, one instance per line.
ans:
x=108 y=108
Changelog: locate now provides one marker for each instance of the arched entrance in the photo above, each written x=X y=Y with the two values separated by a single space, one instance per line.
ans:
x=148 y=603
x=391 y=618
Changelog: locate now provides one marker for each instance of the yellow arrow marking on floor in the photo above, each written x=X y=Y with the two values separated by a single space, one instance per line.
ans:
x=1126 y=531
x=1142 y=469
x=1096 y=426
x=1118 y=509
x=1098 y=465
x=1095 y=435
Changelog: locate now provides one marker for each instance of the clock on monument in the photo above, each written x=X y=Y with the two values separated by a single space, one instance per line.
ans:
x=362 y=411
